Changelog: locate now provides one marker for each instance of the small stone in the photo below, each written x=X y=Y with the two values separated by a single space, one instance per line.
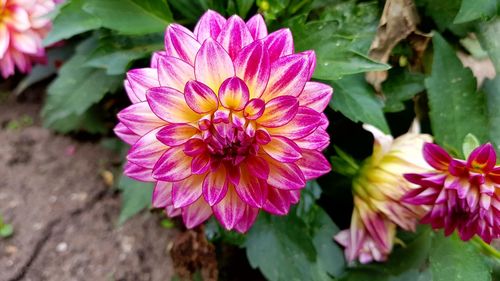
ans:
x=11 y=250
x=62 y=247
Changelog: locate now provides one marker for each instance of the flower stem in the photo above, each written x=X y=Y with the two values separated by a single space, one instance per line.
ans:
x=486 y=248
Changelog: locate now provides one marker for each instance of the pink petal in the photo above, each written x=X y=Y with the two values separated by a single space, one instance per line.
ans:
x=187 y=191
x=17 y=19
x=252 y=190
x=230 y=209
x=147 y=150
x=257 y=27
x=194 y=147
x=173 y=165
x=130 y=93
x=288 y=77
x=312 y=62
x=27 y=42
x=4 y=40
x=482 y=158
x=196 y=213
x=233 y=94
x=318 y=140
x=254 y=109
x=176 y=134
x=278 y=201
x=262 y=136
x=137 y=172
x=141 y=80
x=139 y=118
x=170 y=105
x=180 y=43
x=125 y=134
x=213 y=65
x=215 y=185
x=155 y=57
x=200 y=164
x=257 y=167
x=253 y=66
x=247 y=220
x=209 y=25
x=316 y=96
x=313 y=164
x=282 y=150
x=279 y=44
x=234 y=36
x=437 y=157
x=285 y=175
x=200 y=97
x=174 y=73
x=303 y=124
x=162 y=194
x=279 y=111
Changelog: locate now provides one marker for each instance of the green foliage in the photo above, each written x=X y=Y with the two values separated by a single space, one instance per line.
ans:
x=488 y=35
x=454 y=260
x=401 y=86
x=136 y=196
x=6 y=230
x=477 y=9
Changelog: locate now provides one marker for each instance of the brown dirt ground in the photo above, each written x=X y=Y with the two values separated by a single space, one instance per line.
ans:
x=64 y=215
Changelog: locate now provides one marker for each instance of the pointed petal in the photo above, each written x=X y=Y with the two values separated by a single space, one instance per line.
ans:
x=187 y=191
x=313 y=164
x=125 y=134
x=27 y=42
x=437 y=157
x=282 y=149
x=209 y=25
x=257 y=27
x=318 y=140
x=176 y=134
x=253 y=66
x=130 y=93
x=288 y=77
x=215 y=185
x=162 y=194
x=279 y=44
x=233 y=94
x=213 y=65
x=311 y=55
x=170 y=105
x=303 y=124
x=482 y=158
x=234 y=36
x=173 y=165
x=278 y=201
x=316 y=96
x=196 y=213
x=252 y=190
x=155 y=57
x=141 y=80
x=200 y=97
x=247 y=220
x=180 y=43
x=279 y=111
x=200 y=164
x=284 y=175
x=139 y=118
x=147 y=150
x=230 y=209
x=254 y=109
x=4 y=40
x=174 y=73
x=257 y=167
x=137 y=172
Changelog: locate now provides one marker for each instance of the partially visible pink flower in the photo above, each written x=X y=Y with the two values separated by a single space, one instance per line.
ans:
x=377 y=189
x=463 y=195
x=226 y=122
x=23 y=25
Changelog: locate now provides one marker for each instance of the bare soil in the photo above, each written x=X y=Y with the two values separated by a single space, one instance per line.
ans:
x=64 y=215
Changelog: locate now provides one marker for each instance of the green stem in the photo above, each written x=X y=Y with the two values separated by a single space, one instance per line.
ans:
x=486 y=248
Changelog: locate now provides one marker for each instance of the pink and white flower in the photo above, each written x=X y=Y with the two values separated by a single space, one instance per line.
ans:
x=377 y=189
x=226 y=122
x=463 y=195
x=23 y=25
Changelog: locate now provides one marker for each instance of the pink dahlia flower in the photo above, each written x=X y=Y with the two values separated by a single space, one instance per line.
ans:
x=377 y=189
x=23 y=25
x=225 y=121
x=463 y=195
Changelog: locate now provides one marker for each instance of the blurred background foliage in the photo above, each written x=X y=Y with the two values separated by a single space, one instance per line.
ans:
x=423 y=74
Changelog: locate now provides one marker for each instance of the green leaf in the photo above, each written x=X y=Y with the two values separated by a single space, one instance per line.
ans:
x=443 y=12
x=76 y=88
x=131 y=16
x=454 y=260
x=455 y=108
x=470 y=143
x=475 y=9
x=6 y=230
x=136 y=196
x=489 y=38
x=116 y=53
x=491 y=89
x=71 y=20
x=401 y=86
x=286 y=248
x=356 y=100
